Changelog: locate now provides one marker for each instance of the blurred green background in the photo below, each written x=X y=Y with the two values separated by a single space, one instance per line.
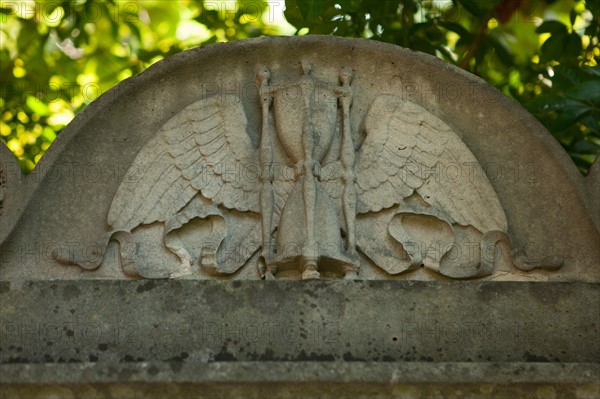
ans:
x=58 y=56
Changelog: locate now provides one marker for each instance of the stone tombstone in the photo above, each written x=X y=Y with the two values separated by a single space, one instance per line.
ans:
x=276 y=214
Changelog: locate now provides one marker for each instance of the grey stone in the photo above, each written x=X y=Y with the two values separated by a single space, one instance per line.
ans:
x=467 y=184
x=475 y=335
x=205 y=321
x=122 y=270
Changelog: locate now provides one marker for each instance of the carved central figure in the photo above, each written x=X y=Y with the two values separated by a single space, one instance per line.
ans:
x=317 y=203
x=306 y=120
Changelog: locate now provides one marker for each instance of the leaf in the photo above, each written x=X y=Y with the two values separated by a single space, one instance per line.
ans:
x=456 y=28
x=588 y=91
x=568 y=117
x=423 y=45
x=594 y=70
x=586 y=147
x=567 y=76
x=592 y=122
x=572 y=48
x=479 y=8
x=553 y=48
x=554 y=27
x=37 y=106
x=313 y=10
x=293 y=15
x=593 y=6
x=501 y=50
x=135 y=30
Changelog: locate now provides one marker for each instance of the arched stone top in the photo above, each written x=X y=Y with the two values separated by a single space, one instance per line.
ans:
x=505 y=201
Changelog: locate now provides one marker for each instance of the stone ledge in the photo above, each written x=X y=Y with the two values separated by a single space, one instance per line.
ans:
x=305 y=372
x=301 y=380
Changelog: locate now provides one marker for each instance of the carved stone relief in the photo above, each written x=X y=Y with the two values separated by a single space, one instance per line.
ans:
x=307 y=200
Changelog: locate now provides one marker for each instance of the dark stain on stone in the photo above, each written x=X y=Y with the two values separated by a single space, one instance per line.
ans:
x=70 y=333
x=93 y=358
x=4 y=287
x=267 y=356
x=71 y=291
x=387 y=358
x=147 y=286
x=225 y=356
x=180 y=358
x=103 y=347
x=529 y=357
x=303 y=357
x=18 y=359
x=349 y=357
x=426 y=359
x=237 y=284
x=128 y=358
x=72 y=311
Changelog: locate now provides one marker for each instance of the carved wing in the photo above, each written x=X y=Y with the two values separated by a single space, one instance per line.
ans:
x=204 y=148
x=407 y=150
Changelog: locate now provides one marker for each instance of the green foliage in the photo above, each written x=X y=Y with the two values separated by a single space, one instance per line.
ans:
x=57 y=56
x=541 y=53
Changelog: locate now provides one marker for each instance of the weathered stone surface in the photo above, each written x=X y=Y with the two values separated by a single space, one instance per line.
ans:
x=276 y=337
x=379 y=168
x=401 y=167
x=137 y=321
x=11 y=192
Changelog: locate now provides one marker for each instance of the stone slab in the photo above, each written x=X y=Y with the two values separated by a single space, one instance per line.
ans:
x=377 y=321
